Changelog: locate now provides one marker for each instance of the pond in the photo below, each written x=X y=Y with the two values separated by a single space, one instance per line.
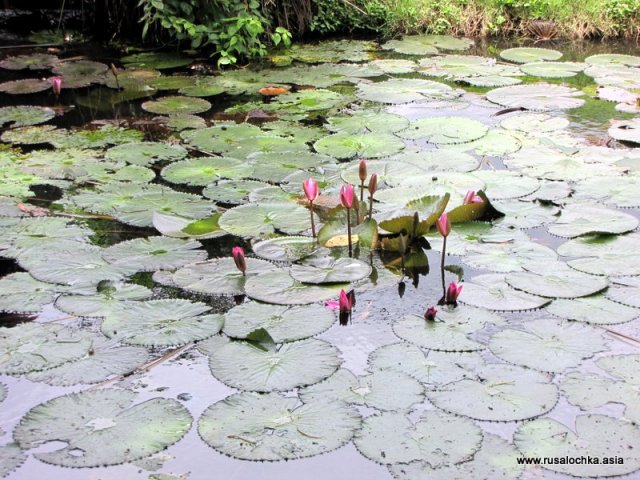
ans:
x=138 y=342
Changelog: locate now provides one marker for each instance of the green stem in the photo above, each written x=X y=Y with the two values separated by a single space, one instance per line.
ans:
x=361 y=190
x=370 y=206
x=444 y=252
x=349 y=231
x=313 y=223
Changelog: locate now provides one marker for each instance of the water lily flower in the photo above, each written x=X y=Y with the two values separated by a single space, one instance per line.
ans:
x=444 y=225
x=346 y=304
x=430 y=314
x=56 y=85
x=346 y=199
x=312 y=191
x=453 y=292
x=238 y=257
x=362 y=175
x=471 y=197
x=373 y=186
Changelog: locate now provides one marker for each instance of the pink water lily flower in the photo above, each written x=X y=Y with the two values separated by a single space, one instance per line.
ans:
x=346 y=196
x=430 y=314
x=238 y=257
x=56 y=85
x=453 y=292
x=444 y=225
x=471 y=197
x=311 y=189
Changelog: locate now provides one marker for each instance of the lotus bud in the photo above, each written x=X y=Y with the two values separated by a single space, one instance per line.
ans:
x=373 y=183
x=347 y=196
x=471 y=197
x=56 y=85
x=238 y=257
x=345 y=303
x=453 y=292
x=311 y=189
x=443 y=225
x=430 y=314
x=362 y=171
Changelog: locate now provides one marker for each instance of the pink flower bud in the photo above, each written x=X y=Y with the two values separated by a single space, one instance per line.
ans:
x=471 y=197
x=311 y=189
x=443 y=225
x=373 y=183
x=56 y=85
x=453 y=292
x=362 y=170
x=347 y=195
x=430 y=314
x=345 y=302
x=238 y=257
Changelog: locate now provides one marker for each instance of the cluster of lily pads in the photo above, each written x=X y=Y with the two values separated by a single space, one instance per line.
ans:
x=337 y=188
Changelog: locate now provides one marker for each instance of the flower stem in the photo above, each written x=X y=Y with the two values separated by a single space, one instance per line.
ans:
x=313 y=223
x=349 y=231
x=371 y=206
x=444 y=252
x=362 y=190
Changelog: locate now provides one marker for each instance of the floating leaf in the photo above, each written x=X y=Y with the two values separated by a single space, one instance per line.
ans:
x=445 y=130
x=427 y=44
x=203 y=171
x=629 y=296
x=161 y=323
x=102 y=427
x=613 y=59
x=394 y=65
x=280 y=288
x=344 y=145
x=597 y=310
x=33 y=61
x=21 y=293
x=285 y=249
x=155 y=253
x=535 y=122
x=500 y=393
x=578 y=220
x=145 y=153
x=180 y=227
x=537 y=97
x=529 y=54
x=308 y=100
x=610 y=190
x=11 y=457
x=367 y=121
x=219 y=276
x=25 y=86
x=318 y=270
x=272 y=427
x=496 y=458
x=370 y=390
x=30 y=347
x=595 y=436
x=106 y=298
x=626 y=130
x=24 y=115
x=492 y=292
x=436 y=438
x=553 y=69
x=284 y=324
x=253 y=220
x=507 y=256
x=450 y=333
x=607 y=254
x=176 y=104
x=558 y=345
x=404 y=90
x=241 y=365
x=155 y=60
x=556 y=282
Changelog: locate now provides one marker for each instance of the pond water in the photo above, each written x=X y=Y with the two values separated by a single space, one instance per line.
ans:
x=545 y=333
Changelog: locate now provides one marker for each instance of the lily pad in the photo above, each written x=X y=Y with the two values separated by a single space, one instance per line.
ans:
x=436 y=438
x=319 y=270
x=367 y=121
x=404 y=90
x=595 y=436
x=553 y=69
x=102 y=427
x=535 y=122
x=279 y=288
x=24 y=115
x=626 y=130
x=218 y=276
x=161 y=323
x=427 y=44
x=284 y=324
x=559 y=345
x=25 y=86
x=272 y=427
x=613 y=59
x=610 y=190
x=540 y=97
x=507 y=256
x=500 y=393
x=176 y=104
x=33 y=61
x=556 y=283
x=146 y=153
x=203 y=171
x=106 y=298
x=285 y=249
x=492 y=292
x=445 y=130
x=155 y=253
x=373 y=145
x=529 y=54
x=613 y=255
x=597 y=310
x=11 y=457
x=578 y=220
x=242 y=365
x=30 y=347
x=21 y=293
x=180 y=227
x=450 y=333
x=370 y=390
x=155 y=60
x=254 y=220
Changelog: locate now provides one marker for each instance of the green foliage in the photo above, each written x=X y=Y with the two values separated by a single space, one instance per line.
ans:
x=234 y=29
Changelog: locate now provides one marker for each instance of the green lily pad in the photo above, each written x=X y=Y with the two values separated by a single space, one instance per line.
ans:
x=284 y=324
x=308 y=100
x=613 y=59
x=540 y=97
x=344 y=145
x=172 y=82
x=445 y=130
x=279 y=288
x=155 y=253
x=32 y=135
x=285 y=249
x=254 y=220
x=21 y=293
x=629 y=296
x=496 y=458
x=320 y=270
x=184 y=121
x=404 y=90
x=535 y=122
x=11 y=457
x=578 y=220
x=161 y=323
x=508 y=256
x=500 y=393
x=613 y=255
x=610 y=190
x=145 y=153
x=394 y=65
x=436 y=438
x=450 y=333
x=553 y=69
x=176 y=104
x=367 y=121
x=180 y=227
x=272 y=427
x=626 y=130
x=24 y=115
x=594 y=436
x=104 y=300
x=30 y=347
x=98 y=138
x=33 y=61
x=75 y=68
x=427 y=44
x=242 y=365
x=104 y=426
x=25 y=86
x=234 y=192
x=218 y=276
x=155 y=60
x=205 y=170
x=529 y=54
x=492 y=292
x=597 y=310
x=559 y=345
x=553 y=282
x=370 y=390
x=101 y=363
